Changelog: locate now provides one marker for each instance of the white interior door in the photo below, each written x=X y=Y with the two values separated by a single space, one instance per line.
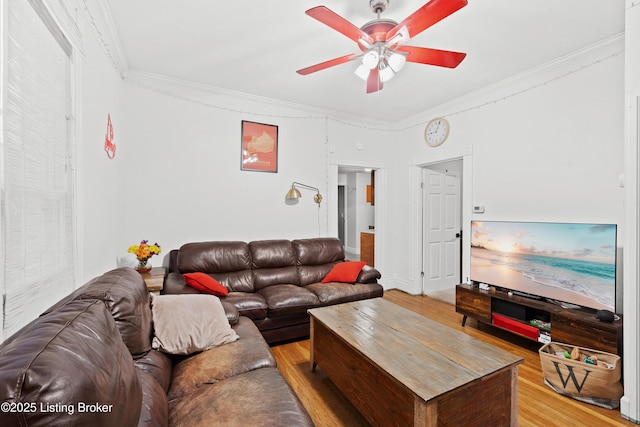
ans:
x=441 y=228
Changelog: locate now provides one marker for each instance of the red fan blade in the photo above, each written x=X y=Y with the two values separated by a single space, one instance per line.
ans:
x=429 y=14
x=338 y=23
x=373 y=82
x=424 y=55
x=326 y=64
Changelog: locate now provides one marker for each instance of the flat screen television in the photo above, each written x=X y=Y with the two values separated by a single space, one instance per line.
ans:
x=574 y=263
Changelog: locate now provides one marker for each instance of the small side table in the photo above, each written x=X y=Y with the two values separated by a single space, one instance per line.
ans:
x=155 y=279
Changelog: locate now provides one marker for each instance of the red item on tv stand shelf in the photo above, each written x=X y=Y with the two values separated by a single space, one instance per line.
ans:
x=515 y=326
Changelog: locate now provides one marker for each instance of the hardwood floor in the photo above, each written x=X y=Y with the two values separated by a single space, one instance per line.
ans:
x=538 y=405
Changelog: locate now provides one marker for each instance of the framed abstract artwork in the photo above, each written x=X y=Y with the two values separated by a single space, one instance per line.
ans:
x=259 y=147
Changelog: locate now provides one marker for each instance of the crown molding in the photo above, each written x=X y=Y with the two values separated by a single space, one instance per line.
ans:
x=179 y=88
x=100 y=20
x=520 y=83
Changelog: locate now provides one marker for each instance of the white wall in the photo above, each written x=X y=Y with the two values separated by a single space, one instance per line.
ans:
x=630 y=403
x=351 y=232
x=182 y=174
x=550 y=151
x=100 y=179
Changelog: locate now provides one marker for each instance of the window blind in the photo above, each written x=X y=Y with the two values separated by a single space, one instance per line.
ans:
x=38 y=223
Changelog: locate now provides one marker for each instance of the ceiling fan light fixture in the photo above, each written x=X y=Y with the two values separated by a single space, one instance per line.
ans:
x=362 y=72
x=380 y=40
x=386 y=74
x=370 y=59
x=396 y=61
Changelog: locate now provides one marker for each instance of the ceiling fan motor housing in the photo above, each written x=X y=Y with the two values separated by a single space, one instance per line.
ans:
x=378 y=6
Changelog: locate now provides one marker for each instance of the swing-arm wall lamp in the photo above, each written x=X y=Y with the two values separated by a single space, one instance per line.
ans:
x=294 y=193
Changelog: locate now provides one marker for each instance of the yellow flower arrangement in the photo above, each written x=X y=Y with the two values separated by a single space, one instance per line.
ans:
x=144 y=251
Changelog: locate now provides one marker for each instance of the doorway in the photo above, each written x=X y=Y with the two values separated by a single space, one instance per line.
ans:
x=356 y=210
x=442 y=185
x=341 y=214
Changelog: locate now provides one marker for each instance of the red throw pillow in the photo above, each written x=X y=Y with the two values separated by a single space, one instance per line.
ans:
x=346 y=272
x=205 y=283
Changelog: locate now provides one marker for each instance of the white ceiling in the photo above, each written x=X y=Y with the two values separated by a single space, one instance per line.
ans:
x=255 y=47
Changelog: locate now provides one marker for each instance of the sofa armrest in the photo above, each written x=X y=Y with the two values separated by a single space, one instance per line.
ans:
x=368 y=274
x=175 y=284
x=231 y=311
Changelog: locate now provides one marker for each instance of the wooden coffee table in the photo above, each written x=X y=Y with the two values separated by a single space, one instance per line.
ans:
x=400 y=368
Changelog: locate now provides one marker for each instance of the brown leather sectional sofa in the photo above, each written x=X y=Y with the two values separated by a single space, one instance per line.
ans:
x=88 y=361
x=272 y=282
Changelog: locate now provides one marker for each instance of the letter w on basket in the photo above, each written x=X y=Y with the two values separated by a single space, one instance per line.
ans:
x=571 y=376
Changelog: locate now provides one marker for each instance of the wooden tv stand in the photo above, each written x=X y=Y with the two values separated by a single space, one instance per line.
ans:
x=513 y=313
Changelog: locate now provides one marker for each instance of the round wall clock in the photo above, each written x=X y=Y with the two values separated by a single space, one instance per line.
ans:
x=436 y=132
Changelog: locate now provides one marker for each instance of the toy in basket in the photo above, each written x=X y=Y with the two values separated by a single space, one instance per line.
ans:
x=584 y=374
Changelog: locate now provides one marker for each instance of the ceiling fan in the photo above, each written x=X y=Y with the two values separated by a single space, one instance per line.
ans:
x=382 y=41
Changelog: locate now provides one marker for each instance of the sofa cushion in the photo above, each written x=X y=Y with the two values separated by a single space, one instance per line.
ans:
x=313 y=273
x=125 y=294
x=227 y=262
x=338 y=293
x=256 y=398
x=185 y=324
x=264 y=277
x=214 y=257
x=249 y=304
x=288 y=299
x=246 y=354
x=344 y=272
x=318 y=251
x=155 y=408
x=158 y=365
x=271 y=253
x=205 y=283
x=239 y=281
x=273 y=263
x=71 y=356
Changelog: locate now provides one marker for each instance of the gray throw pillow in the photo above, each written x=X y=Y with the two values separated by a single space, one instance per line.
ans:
x=189 y=323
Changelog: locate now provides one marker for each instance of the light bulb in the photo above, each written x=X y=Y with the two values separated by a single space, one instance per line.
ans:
x=362 y=72
x=396 y=61
x=386 y=74
x=370 y=59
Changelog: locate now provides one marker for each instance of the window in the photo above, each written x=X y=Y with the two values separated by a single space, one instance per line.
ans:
x=36 y=165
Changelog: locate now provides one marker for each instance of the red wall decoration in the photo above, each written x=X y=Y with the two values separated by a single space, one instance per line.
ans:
x=259 y=147
x=109 y=145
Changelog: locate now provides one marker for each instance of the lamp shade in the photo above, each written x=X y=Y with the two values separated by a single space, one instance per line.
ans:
x=362 y=72
x=396 y=61
x=293 y=193
x=370 y=59
x=386 y=74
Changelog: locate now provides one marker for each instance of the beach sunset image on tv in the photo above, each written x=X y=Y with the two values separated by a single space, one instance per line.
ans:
x=573 y=263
